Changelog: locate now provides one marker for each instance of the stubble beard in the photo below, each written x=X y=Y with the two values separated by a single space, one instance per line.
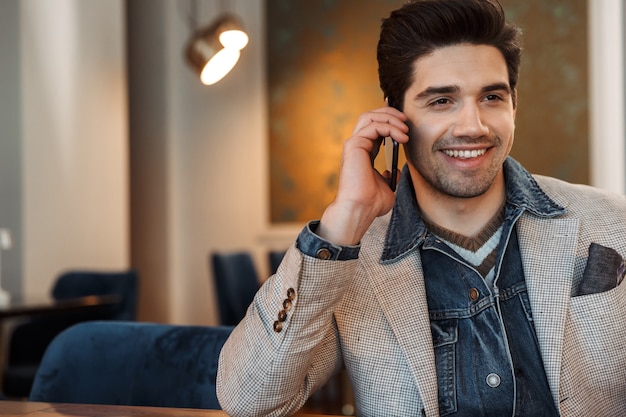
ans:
x=445 y=181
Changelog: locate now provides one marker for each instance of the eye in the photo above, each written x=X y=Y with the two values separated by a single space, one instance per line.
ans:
x=442 y=101
x=492 y=97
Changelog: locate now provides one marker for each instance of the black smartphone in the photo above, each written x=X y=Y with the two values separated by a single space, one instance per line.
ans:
x=391 y=152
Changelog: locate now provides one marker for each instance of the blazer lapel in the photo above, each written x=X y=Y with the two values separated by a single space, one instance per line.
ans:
x=547 y=248
x=400 y=290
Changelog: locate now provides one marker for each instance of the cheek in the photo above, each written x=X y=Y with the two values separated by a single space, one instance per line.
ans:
x=511 y=142
x=509 y=132
x=419 y=146
x=505 y=123
x=423 y=136
x=429 y=127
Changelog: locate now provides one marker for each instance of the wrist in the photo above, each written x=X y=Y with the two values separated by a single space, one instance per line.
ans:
x=344 y=226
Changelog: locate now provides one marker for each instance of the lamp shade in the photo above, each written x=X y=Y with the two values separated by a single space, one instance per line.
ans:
x=213 y=51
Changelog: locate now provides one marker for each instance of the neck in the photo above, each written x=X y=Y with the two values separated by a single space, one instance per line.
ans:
x=465 y=216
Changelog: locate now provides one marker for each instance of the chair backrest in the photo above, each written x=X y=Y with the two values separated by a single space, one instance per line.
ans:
x=73 y=284
x=29 y=339
x=236 y=282
x=275 y=258
x=132 y=363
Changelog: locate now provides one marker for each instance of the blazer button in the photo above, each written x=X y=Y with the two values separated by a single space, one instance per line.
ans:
x=323 y=254
x=282 y=315
x=291 y=294
x=287 y=304
x=278 y=326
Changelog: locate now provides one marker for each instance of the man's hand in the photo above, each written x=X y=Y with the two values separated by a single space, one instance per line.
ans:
x=363 y=193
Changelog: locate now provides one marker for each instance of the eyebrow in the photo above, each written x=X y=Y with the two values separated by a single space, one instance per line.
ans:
x=433 y=91
x=450 y=89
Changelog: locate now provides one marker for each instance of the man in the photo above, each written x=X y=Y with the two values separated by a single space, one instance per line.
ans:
x=476 y=289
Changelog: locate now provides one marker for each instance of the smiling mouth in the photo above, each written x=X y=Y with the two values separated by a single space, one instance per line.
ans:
x=464 y=154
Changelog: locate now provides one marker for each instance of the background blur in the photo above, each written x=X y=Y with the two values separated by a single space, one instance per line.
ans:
x=114 y=155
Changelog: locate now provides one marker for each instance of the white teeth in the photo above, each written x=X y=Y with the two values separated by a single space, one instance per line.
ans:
x=464 y=154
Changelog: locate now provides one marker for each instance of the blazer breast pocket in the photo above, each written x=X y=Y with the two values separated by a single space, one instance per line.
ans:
x=605 y=270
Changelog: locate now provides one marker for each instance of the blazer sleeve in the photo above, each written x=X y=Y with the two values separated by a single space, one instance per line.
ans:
x=270 y=366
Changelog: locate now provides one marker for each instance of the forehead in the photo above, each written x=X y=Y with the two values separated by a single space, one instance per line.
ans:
x=462 y=65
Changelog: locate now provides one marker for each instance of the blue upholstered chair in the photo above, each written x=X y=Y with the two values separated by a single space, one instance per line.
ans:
x=132 y=363
x=28 y=341
x=73 y=284
x=236 y=282
x=275 y=258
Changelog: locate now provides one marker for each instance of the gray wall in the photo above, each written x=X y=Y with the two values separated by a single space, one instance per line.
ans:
x=10 y=144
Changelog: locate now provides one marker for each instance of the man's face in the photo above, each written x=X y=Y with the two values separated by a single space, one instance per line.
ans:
x=461 y=121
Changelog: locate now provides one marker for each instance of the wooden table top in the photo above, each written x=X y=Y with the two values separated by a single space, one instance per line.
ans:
x=36 y=409
x=38 y=307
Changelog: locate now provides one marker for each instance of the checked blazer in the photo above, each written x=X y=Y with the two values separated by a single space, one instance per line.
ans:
x=372 y=318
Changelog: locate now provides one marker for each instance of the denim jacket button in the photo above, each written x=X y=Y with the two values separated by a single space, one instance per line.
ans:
x=324 y=254
x=474 y=294
x=493 y=380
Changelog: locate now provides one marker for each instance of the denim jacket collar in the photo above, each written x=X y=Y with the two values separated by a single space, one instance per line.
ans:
x=407 y=230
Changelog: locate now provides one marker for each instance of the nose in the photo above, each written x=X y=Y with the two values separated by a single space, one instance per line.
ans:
x=469 y=122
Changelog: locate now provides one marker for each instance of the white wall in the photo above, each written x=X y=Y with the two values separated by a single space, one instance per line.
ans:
x=206 y=148
x=74 y=138
x=607 y=73
x=218 y=161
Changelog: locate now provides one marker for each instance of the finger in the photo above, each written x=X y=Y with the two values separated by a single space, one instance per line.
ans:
x=381 y=120
x=373 y=131
x=387 y=176
x=376 y=149
x=385 y=115
x=390 y=110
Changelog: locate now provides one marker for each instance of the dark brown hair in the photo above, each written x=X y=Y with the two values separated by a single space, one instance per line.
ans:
x=421 y=26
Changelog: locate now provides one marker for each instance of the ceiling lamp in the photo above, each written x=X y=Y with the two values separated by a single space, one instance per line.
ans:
x=213 y=51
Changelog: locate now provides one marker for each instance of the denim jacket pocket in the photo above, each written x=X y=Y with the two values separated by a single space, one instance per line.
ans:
x=445 y=336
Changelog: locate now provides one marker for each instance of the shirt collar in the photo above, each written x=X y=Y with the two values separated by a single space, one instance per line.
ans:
x=407 y=231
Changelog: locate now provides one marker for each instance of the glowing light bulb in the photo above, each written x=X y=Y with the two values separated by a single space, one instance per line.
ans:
x=220 y=65
x=234 y=39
